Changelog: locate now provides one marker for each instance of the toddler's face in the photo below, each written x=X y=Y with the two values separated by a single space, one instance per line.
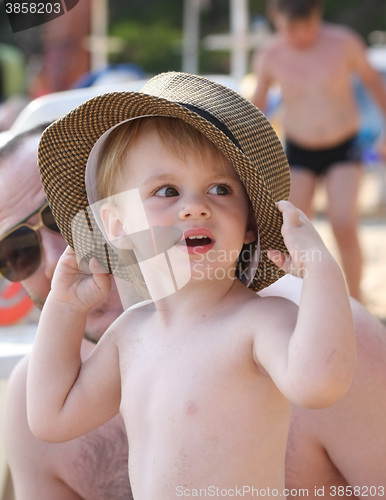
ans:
x=199 y=194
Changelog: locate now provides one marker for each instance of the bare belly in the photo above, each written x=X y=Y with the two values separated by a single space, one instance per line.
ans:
x=201 y=438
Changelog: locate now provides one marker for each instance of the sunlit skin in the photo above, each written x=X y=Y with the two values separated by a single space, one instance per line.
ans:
x=180 y=367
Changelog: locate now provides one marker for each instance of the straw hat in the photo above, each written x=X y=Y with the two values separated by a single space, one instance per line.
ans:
x=232 y=123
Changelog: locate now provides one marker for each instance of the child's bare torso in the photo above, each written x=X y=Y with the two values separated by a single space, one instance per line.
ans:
x=199 y=412
x=319 y=108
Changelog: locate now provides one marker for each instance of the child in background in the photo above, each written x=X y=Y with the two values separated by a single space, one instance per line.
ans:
x=314 y=63
x=204 y=373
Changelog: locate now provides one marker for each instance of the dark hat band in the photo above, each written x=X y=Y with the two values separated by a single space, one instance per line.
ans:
x=214 y=121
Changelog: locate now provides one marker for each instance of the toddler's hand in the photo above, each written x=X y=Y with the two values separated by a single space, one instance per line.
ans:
x=303 y=242
x=80 y=289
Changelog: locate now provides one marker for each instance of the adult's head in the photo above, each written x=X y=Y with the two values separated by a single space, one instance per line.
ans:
x=21 y=195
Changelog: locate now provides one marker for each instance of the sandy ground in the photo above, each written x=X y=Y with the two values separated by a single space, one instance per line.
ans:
x=372 y=202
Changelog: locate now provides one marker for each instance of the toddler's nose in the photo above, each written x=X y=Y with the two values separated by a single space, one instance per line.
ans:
x=194 y=207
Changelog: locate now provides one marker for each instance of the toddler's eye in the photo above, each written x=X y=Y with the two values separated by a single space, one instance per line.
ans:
x=220 y=189
x=167 y=191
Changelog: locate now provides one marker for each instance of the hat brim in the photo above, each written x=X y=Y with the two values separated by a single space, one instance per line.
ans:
x=65 y=146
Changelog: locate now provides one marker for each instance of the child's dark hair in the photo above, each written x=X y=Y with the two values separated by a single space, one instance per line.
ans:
x=295 y=9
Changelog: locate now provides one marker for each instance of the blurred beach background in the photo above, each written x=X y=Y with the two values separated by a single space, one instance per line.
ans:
x=372 y=235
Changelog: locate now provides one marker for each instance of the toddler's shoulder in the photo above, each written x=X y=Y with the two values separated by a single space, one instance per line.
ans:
x=266 y=307
x=132 y=318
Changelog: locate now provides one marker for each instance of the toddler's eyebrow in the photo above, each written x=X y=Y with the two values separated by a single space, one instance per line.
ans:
x=159 y=178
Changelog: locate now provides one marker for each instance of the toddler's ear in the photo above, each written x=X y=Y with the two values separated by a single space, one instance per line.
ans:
x=113 y=226
x=251 y=229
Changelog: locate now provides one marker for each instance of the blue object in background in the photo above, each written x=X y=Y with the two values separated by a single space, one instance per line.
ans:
x=371 y=124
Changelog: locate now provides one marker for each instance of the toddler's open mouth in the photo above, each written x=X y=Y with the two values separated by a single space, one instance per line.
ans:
x=197 y=241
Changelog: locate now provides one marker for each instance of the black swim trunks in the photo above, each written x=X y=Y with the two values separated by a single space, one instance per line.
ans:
x=318 y=161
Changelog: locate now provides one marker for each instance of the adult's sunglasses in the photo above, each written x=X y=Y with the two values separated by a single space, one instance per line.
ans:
x=20 y=247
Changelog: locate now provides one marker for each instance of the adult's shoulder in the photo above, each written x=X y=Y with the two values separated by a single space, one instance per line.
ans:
x=16 y=386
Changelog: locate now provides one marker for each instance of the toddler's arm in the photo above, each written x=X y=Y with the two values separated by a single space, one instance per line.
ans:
x=314 y=366
x=62 y=393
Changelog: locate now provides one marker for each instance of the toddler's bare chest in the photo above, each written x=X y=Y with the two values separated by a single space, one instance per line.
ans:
x=191 y=376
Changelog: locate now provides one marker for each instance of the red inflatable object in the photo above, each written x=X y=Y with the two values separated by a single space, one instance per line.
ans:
x=14 y=302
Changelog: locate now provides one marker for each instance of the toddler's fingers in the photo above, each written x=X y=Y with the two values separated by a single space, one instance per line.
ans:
x=92 y=266
x=286 y=206
x=282 y=204
x=100 y=275
x=284 y=262
x=96 y=267
x=291 y=214
x=280 y=259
